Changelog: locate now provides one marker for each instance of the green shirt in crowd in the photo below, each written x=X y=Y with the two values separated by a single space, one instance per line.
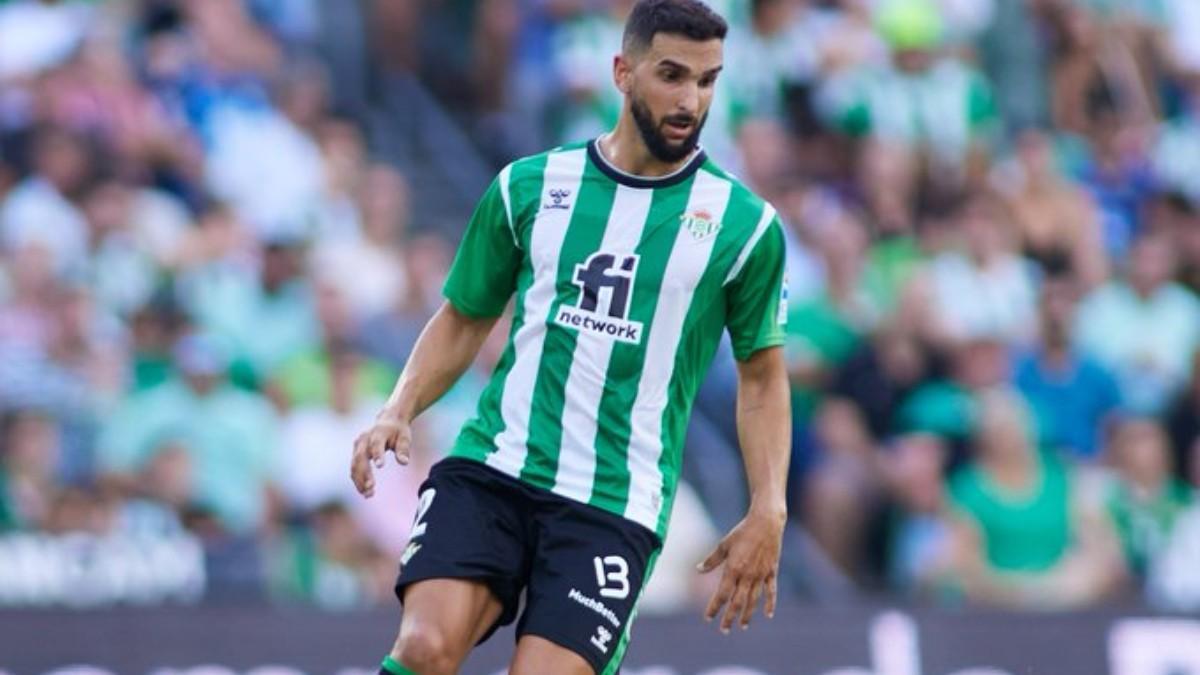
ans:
x=1022 y=531
x=1144 y=524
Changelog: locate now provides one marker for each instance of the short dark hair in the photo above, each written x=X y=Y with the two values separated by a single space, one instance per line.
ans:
x=690 y=18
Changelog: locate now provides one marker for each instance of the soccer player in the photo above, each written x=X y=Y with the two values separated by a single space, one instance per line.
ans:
x=629 y=256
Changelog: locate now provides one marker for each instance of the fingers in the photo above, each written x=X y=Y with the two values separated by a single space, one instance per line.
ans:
x=714 y=559
x=739 y=595
x=750 y=555
x=756 y=592
x=772 y=593
x=370 y=448
x=387 y=437
x=720 y=597
x=375 y=447
x=360 y=469
x=400 y=445
x=737 y=603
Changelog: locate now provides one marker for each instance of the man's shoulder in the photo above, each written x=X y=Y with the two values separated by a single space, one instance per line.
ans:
x=524 y=174
x=534 y=164
x=742 y=199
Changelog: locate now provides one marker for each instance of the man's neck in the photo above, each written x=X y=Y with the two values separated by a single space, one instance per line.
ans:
x=624 y=149
x=1056 y=355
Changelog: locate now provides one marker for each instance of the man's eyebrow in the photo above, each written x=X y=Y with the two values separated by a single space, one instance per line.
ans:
x=675 y=64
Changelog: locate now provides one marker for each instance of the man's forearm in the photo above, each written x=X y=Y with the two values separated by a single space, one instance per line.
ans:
x=443 y=352
x=764 y=419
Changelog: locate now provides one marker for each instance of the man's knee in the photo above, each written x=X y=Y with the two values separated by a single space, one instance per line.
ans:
x=427 y=650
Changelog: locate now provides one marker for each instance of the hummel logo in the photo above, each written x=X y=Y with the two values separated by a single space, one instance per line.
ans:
x=557 y=195
x=409 y=552
x=601 y=639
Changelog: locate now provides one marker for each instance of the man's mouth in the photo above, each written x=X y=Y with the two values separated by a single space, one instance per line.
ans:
x=678 y=130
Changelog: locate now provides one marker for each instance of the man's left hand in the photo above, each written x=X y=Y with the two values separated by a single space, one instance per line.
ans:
x=750 y=553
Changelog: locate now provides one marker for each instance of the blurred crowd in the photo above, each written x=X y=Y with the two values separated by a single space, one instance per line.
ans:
x=209 y=281
x=207 y=287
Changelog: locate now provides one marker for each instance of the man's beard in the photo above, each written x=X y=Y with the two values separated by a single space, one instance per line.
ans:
x=652 y=136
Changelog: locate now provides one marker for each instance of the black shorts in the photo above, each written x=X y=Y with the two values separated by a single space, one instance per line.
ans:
x=581 y=568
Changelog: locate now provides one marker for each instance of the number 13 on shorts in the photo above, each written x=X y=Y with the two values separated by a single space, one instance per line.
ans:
x=612 y=576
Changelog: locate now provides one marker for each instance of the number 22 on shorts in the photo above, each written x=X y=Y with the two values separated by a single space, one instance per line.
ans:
x=418 y=527
x=426 y=500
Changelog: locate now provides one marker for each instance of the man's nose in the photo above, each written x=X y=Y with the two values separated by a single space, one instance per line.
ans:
x=689 y=99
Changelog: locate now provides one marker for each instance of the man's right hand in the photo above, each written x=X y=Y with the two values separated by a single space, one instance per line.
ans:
x=387 y=434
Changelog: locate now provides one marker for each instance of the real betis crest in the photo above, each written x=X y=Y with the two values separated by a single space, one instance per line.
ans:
x=700 y=224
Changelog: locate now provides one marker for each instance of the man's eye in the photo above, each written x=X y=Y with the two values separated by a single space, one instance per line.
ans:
x=671 y=75
x=708 y=81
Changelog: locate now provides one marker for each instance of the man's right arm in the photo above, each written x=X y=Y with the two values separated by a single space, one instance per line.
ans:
x=477 y=289
x=446 y=348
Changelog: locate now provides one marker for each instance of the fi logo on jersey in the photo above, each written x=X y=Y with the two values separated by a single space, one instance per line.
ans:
x=605 y=282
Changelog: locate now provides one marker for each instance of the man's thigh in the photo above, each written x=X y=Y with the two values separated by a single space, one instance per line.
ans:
x=455 y=613
x=470 y=536
x=586 y=576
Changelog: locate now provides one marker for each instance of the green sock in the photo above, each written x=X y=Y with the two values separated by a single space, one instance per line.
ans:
x=393 y=666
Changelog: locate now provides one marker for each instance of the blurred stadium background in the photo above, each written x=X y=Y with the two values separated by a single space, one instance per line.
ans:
x=223 y=223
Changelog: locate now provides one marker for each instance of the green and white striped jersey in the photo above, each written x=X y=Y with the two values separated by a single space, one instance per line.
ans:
x=624 y=286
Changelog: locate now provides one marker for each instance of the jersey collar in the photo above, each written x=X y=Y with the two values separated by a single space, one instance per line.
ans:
x=674 y=178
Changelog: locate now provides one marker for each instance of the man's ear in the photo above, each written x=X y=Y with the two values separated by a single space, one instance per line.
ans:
x=622 y=73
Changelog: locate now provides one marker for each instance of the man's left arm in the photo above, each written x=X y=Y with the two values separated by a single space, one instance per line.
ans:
x=755 y=298
x=751 y=550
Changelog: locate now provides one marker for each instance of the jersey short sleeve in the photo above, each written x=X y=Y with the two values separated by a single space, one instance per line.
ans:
x=484 y=274
x=756 y=295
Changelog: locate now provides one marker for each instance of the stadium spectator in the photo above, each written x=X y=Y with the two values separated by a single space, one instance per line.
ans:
x=983 y=288
x=390 y=334
x=824 y=330
x=1146 y=499
x=1173 y=584
x=1117 y=174
x=267 y=314
x=331 y=565
x=918 y=556
x=1056 y=221
x=581 y=49
x=1015 y=56
x=882 y=374
x=775 y=55
x=230 y=435
x=1095 y=75
x=28 y=454
x=1177 y=217
x=892 y=106
x=306 y=379
x=1073 y=397
x=948 y=406
x=162 y=492
x=38 y=35
x=1150 y=365
x=317 y=424
x=368 y=264
x=44 y=207
x=134 y=239
x=1178 y=142
x=844 y=488
x=1024 y=534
